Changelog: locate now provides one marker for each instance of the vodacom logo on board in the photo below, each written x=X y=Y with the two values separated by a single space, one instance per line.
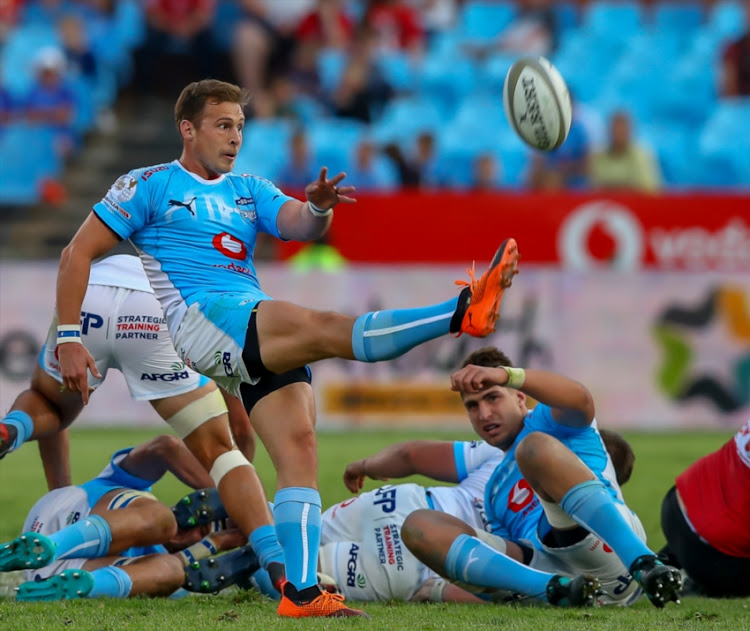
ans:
x=601 y=233
x=230 y=246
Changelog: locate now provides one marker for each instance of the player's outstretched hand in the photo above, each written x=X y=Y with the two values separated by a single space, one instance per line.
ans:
x=471 y=379
x=354 y=476
x=324 y=193
x=75 y=363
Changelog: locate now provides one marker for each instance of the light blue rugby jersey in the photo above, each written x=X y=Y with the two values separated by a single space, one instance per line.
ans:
x=195 y=237
x=513 y=509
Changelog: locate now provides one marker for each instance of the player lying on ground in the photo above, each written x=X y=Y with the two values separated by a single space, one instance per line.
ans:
x=362 y=548
x=111 y=537
x=362 y=555
x=705 y=517
x=195 y=225
x=555 y=466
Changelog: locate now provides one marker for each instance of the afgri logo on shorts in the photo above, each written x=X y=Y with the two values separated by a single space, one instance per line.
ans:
x=351 y=566
x=165 y=376
x=225 y=359
x=72 y=518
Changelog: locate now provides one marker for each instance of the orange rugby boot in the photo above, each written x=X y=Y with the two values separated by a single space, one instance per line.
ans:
x=323 y=605
x=479 y=301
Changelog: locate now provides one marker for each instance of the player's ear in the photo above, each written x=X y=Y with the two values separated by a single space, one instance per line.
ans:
x=186 y=129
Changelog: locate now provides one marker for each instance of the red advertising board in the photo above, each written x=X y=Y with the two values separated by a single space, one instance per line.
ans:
x=681 y=232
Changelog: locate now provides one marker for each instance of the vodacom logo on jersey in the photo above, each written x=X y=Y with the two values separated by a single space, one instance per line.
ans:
x=230 y=246
x=520 y=496
x=601 y=233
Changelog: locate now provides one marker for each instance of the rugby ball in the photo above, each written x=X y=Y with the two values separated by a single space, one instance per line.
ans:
x=537 y=103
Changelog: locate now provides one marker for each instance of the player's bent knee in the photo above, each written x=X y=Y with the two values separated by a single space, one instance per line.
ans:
x=225 y=463
x=414 y=527
x=197 y=412
x=533 y=447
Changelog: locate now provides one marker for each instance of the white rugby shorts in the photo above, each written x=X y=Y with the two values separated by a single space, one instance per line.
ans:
x=125 y=329
x=373 y=564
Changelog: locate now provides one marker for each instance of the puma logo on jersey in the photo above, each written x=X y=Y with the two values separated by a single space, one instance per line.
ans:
x=175 y=205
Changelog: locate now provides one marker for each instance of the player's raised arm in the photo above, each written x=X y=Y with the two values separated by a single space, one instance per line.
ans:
x=306 y=221
x=431 y=458
x=571 y=402
x=92 y=240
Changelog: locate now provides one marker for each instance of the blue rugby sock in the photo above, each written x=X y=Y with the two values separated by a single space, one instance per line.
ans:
x=86 y=539
x=591 y=506
x=112 y=582
x=23 y=424
x=263 y=584
x=380 y=335
x=473 y=561
x=266 y=545
x=296 y=513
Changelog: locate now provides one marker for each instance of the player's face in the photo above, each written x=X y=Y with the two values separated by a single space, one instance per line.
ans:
x=496 y=414
x=217 y=139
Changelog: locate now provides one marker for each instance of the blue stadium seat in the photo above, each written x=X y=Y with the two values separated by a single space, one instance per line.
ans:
x=612 y=21
x=333 y=141
x=727 y=19
x=682 y=17
x=28 y=155
x=398 y=70
x=447 y=81
x=265 y=145
x=403 y=118
x=331 y=64
x=493 y=72
x=483 y=20
x=725 y=139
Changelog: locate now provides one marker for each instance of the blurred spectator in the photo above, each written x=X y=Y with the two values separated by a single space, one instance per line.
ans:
x=263 y=39
x=624 y=164
x=51 y=101
x=326 y=26
x=408 y=173
x=6 y=107
x=735 y=62
x=176 y=28
x=436 y=16
x=371 y=171
x=396 y=26
x=10 y=11
x=45 y=11
x=533 y=31
x=77 y=47
x=486 y=174
x=299 y=169
x=567 y=166
x=426 y=161
x=363 y=90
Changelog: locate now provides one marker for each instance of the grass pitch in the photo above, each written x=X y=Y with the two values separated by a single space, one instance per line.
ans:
x=659 y=457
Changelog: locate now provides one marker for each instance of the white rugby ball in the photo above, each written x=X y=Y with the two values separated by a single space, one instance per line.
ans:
x=537 y=103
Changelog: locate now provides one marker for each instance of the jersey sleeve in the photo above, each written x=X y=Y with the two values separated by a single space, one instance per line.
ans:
x=540 y=420
x=124 y=209
x=470 y=455
x=268 y=201
x=115 y=474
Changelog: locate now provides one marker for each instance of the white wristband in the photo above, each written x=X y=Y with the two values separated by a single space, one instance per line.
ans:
x=318 y=212
x=67 y=333
x=436 y=591
x=516 y=377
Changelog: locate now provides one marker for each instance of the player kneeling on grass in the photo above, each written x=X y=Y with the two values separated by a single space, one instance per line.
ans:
x=555 y=465
x=111 y=537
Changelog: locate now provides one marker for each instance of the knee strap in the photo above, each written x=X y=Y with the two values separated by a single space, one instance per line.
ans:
x=197 y=412
x=225 y=463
